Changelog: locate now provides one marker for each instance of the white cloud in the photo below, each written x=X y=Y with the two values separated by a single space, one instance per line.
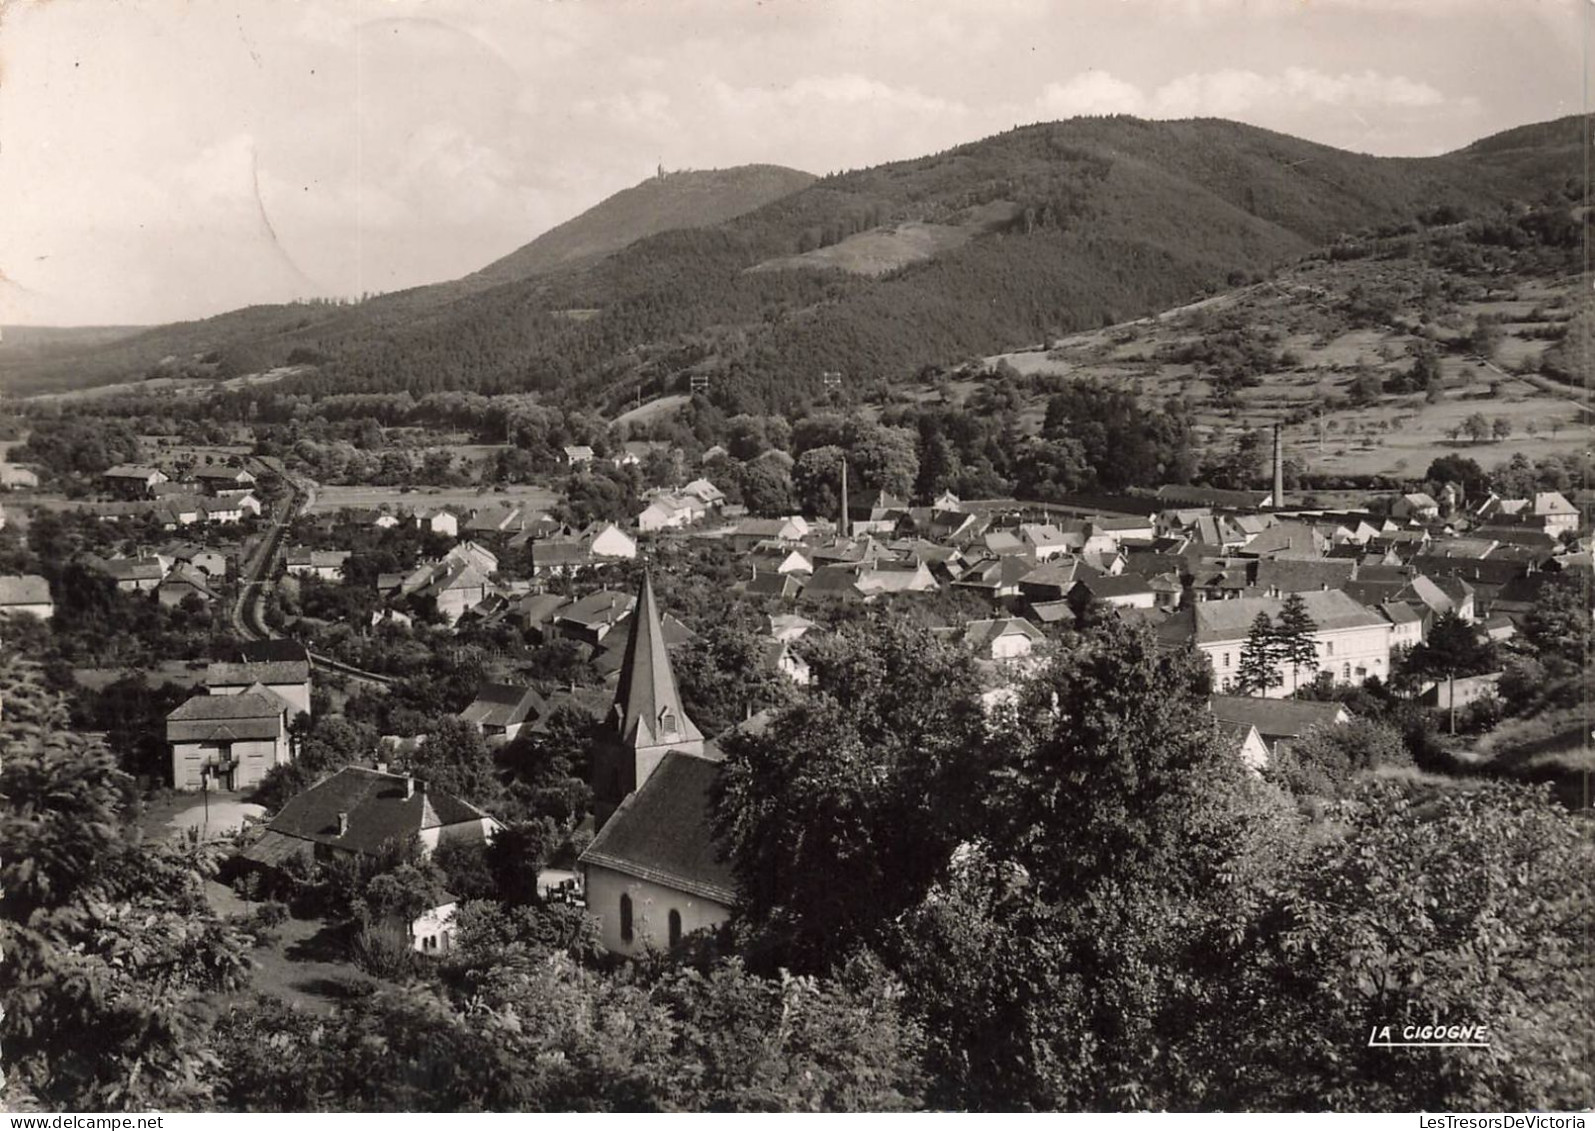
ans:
x=1092 y=92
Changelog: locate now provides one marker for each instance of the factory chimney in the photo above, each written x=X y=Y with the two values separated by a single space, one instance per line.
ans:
x=847 y=526
x=1279 y=468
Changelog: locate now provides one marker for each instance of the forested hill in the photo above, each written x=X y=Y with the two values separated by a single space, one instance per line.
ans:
x=877 y=272
x=694 y=198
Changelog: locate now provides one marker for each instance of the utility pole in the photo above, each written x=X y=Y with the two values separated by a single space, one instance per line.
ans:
x=847 y=525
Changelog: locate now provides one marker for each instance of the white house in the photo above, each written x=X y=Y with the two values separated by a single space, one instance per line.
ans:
x=610 y=541
x=289 y=679
x=1352 y=642
x=232 y=740
x=27 y=594
x=432 y=932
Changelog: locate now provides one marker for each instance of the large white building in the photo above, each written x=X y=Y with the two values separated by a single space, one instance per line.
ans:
x=1353 y=642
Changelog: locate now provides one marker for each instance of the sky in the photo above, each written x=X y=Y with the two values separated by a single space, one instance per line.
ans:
x=163 y=160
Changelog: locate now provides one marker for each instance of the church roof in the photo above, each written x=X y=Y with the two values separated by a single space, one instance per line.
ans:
x=663 y=832
x=647 y=693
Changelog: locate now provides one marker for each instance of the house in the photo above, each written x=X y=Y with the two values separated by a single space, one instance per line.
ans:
x=224 y=478
x=1352 y=642
x=131 y=575
x=1463 y=691
x=132 y=481
x=432 y=931
x=364 y=812
x=185 y=581
x=1002 y=638
x=440 y=521
x=706 y=493
x=272 y=650
x=590 y=619
x=462 y=586
x=1247 y=744
x=653 y=874
x=230 y=739
x=325 y=564
x=751 y=532
x=1548 y=511
x=779 y=657
x=560 y=557
x=578 y=454
x=610 y=541
x=1046 y=541
x=1416 y=507
x=670 y=512
x=535 y=611
x=26 y=594
x=13 y=477
x=1127 y=590
x=1277 y=720
x=501 y=711
x=781 y=586
x=1280 y=577
x=1407 y=624
x=289 y=679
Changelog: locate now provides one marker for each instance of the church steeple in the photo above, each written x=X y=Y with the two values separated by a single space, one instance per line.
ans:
x=648 y=718
x=648 y=709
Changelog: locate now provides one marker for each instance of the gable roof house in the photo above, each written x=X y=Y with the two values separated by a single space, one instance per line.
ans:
x=1127 y=590
x=590 y=619
x=231 y=739
x=185 y=581
x=654 y=873
x=132 y=481
x=26 y=594
x=1277 y=721
x=501 y=711
x=364 y=812
x=289 y=679
x=999 y=638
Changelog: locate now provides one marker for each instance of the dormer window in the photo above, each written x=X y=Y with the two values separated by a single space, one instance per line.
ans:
x=668 y=725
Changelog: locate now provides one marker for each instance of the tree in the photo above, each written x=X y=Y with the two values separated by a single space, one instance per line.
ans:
x=1067 y=958
x=817 y=481
x=1260 y=658
x=1294 y=636
x=104 y=933
x=1326 y=762
x=1450 y=906
x=455 y=759
x=1500 y=428
x=1477 y=427
x=845 y=807
x=1558 y=622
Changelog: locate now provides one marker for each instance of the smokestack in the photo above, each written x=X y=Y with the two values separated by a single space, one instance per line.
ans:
x=847 y=526
x=1279 y=468
x=409 y=787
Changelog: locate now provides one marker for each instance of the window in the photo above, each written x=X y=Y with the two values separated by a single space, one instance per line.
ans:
x=667 y=722
x=625 y=919
x=675 y=927
x=1329 y=647
x=1226 y=659
x=1345 y=672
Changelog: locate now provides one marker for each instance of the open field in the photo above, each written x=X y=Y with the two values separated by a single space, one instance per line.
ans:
x=1321 y=353
x=332 y=498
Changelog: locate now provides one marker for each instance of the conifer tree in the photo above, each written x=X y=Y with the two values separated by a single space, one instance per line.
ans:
x=1294 y=638
x=1259 y=666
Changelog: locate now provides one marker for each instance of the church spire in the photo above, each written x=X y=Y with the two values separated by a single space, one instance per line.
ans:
x=648 y=706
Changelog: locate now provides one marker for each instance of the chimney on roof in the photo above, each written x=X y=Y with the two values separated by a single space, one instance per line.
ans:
x=846 y=524
x=343 y=824
x=382 y=767
x=409 y=787
x=1279 y=466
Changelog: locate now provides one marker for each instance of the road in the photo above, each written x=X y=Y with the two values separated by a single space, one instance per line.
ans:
x=256 y=572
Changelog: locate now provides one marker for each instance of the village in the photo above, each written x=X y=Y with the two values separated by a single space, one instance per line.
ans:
x=1284 y=603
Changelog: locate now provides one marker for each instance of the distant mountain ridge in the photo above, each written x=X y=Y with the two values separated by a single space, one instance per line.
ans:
x=874 y=273
x=691 y=198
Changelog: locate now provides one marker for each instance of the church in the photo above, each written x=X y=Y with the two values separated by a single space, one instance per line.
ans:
x=653 y=874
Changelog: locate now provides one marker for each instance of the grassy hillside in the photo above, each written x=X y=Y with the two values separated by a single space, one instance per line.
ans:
x=1056 y=228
